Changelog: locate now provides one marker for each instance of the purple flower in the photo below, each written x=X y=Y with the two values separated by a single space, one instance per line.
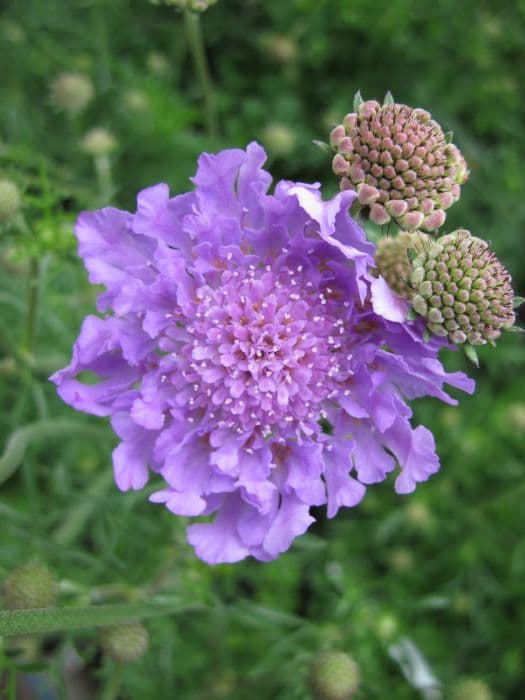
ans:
x=248 y=358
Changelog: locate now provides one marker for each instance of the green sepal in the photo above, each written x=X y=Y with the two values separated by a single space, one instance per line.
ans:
x=514 y=329
x=449 y=136
x=427 y=335
x=412 y=315
x=470 y=352
x=388 y=99
x=325 y=147
x=518 y=301
x=358 y=101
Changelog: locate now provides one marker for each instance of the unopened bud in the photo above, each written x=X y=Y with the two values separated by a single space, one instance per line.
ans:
x=71 y=92
x=10 y=200
x=334 y=676
x=124 y=643
x=30 y=586
x=279 y=139
x=471 y=689
x=98 y=142
x=192 y=5
x=403 y=154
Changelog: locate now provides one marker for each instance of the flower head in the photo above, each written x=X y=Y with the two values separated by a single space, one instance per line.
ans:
x=399 y=162
x=71 y=92
x=334 y=676
x=248 y=356
x=30 y=586
x=455 y=282
x=10 y=200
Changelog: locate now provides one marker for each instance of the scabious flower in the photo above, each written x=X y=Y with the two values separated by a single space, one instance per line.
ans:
x=248 y=357
x=399 y=162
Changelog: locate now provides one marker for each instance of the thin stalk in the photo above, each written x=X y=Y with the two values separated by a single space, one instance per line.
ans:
x=113 y=684
x=32 y=303
x=196 y=43
x=44 y=620
x=104 y=177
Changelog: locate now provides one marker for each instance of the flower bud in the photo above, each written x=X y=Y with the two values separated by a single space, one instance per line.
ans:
x=10 y=200
x=471 y=689
x=30 y=586
x=124 y=643
x=333 y=676
x=404 y=155
x=279 y=139
x=71 y=92
x=468 y=291
x=98 y=142
x=192 y=5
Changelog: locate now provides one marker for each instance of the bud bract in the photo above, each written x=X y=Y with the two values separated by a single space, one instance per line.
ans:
x=333 y=676
x=30 y=586
x=124 y=643
x=403 y=157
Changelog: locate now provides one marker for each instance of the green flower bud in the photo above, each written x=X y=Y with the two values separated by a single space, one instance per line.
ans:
x=124 y=643
x=279 y=139
x=193 y=5
x=333 y=676
x=412 y=174
x=10 y=200
x=71 y=92
x=98 y=142
x=30 y=586
x=471 y=689
x=456 y=283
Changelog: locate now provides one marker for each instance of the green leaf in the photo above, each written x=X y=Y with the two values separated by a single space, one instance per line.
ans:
x=18 y=441
x=412 y=315
x=358 y=101
x=470 y=352
x=325 y=147
x=515 y=329
x=42 y=620
x=389 y=98
x=518 y=301
x=427 y=335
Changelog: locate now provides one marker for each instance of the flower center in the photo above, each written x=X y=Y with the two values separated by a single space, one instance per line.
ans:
x=263 y=350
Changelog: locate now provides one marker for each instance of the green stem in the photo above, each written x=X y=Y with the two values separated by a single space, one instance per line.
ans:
x=44 y=620
x=104 y=178
x=32 y=303
x=113 y=684
x=195 y=41
x=45 y=429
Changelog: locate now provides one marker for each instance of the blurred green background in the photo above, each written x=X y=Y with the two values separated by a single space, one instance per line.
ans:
x=444 y=567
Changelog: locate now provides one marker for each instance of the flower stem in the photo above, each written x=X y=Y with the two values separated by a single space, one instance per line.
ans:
x=104 y=178
x=113 y=684
x=195 y=41
x=32 y=303
x=43 y=620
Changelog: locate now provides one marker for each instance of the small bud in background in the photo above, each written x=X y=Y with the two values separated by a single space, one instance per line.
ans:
x=333 y=676
x=135 y=100
x=418 y=515
x=192 y=5
x=71 y=92
x=401 y=154
x=157 y=63
x=124 y=643
x=280 y=47
x=279 y=139
x=98 y=142
x=10 y=200
x=30 y=586
x=471 y=689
